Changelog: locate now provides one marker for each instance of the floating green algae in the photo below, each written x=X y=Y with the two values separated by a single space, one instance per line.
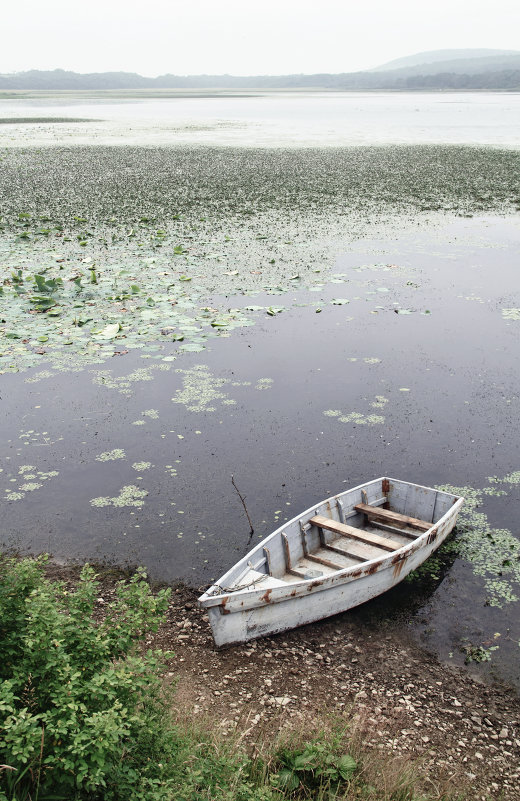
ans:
x=201 y=390
x=140 y=466
x=264 y=383
x=109 y=456
x=359 y=418
x=39 y=376
x=129 y=495
x=511 y=314
x=37 y=438
x=493 y=553
x=28 y=479
x=511 y=478
x=365 y=359
x=379 y=402
x=125 y=384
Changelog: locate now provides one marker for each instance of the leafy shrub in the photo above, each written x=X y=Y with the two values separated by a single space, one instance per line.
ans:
x=77 y=701
x=314 y=768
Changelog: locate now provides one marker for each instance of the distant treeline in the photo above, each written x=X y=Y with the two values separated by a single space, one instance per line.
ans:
x=393 y=80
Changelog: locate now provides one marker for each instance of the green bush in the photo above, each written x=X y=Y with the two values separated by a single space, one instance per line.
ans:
x=315 y=770
x=79 y=706
x=84 y=717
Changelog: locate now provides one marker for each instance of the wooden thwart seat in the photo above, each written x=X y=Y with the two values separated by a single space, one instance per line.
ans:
x=394 y=518
x=355 y=533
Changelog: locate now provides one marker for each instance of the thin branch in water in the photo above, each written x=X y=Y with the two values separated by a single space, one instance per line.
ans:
x=251 y=529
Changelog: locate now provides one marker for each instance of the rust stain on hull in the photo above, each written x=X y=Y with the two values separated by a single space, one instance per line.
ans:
x=223 y=610
x=372 y=569
x=266 y=597
x=398 y=563
x=432 y=536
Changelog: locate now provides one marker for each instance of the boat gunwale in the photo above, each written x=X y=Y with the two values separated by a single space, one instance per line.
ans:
x=258 y=596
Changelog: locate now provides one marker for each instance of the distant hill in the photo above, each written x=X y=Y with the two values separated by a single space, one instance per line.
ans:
x=438 y=70
x=431 y=57
x=474 y=65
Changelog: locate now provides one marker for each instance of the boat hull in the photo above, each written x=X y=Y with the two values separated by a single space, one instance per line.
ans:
x=241 y=616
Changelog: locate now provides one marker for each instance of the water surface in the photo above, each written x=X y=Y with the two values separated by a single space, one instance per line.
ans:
x=271 y=119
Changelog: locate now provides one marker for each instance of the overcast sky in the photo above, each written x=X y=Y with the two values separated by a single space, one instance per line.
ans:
x=244 y=37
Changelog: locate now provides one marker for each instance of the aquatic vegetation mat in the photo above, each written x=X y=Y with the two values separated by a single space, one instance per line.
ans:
x=494 y=553
x=91 y=268
x=201 y=390
x=358 y=418
x=27 y=479
x=130 y=495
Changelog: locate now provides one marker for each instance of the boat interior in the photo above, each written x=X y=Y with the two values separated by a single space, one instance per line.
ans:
x=351 y=529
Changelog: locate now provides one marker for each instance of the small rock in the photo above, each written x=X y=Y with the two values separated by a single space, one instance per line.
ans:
x=282 y=700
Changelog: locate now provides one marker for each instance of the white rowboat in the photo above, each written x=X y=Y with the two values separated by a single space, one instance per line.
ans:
x=336 y=555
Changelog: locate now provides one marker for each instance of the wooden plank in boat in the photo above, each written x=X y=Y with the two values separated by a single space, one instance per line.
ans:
x=360 y=551
x=322 y=561
x=336 y=548
x=259 y=580
x=356 y=533
x=287 y=552
x=402 y=532
x=298 y=573
x=393 y=517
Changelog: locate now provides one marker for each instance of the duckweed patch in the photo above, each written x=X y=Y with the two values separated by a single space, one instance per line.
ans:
x=359 y=418
x=109 y=456
x=493 y=553
x=129 y=495
x=38 y=438
x=28 y=479
x=379 y=402
x=140 y=466
x=39 y=376
x=201 y=390
x=124 y=384
x=511 y=314
x=264 y=383
x=511 y=478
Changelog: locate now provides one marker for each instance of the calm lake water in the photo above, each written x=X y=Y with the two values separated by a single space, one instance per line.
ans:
x=272 y=120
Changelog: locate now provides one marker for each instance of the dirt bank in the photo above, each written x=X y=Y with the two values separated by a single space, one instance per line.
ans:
x=457 y=730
